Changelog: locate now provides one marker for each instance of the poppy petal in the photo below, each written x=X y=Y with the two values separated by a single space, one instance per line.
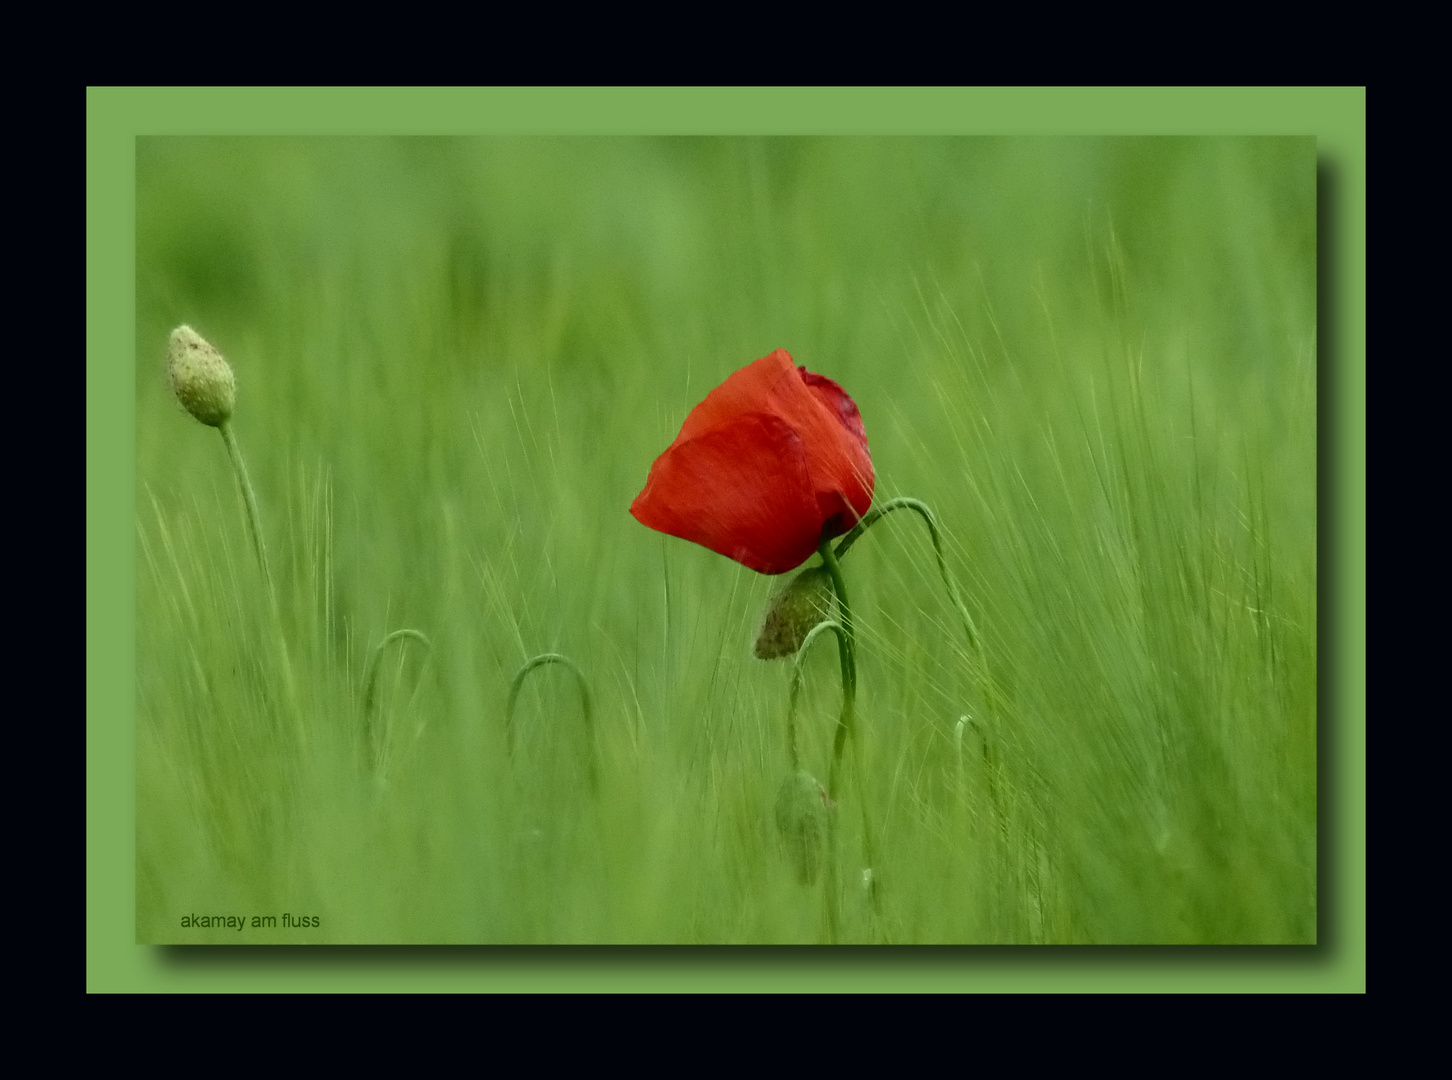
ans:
x=741 y=489
x=773 y=460
x=830 y=428
x=837 y=400
x=745 y=390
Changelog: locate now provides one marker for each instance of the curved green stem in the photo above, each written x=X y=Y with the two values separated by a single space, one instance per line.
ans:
x=585 y=704
x=796 y=689
x=979 y=658
x=877 y=513
x=847 y=654
x=249 y=497
x=830 y=895
x=986 y=688
x=847 y=724
x=370 y=683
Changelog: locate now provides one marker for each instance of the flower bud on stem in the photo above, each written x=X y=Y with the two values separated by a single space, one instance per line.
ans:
x=585 y=706
x=205 y=385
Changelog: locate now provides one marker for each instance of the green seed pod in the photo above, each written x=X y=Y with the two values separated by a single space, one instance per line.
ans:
x=804 y=602
x=200 y=378
x=802 y=806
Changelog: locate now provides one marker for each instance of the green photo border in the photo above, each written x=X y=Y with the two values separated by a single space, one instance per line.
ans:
x=115 y=117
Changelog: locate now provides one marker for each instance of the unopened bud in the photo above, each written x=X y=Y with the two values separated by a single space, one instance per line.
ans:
x=791 y=614
x=200 y=378
x=802 y=806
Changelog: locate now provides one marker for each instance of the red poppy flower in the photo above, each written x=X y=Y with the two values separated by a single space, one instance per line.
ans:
x=772 y=461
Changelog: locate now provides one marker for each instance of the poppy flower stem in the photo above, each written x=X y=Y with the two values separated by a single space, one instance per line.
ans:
x=847 y=725
x=833 y=876
x=847 y=653
x=586 y=706
x=921 y=509
x=796 y=689
x=376 y=741
x=249 y=497
x=254 y=526
x=986 y=689
x=970 y=629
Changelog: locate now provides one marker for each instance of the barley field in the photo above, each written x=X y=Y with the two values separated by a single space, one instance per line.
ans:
x=456 y=361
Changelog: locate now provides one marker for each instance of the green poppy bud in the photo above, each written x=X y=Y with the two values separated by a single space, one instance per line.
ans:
x=790 y=614
x=200 y=378
x=802 y=806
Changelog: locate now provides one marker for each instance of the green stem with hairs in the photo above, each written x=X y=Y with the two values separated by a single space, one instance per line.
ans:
x=830 y=895
x=986 y=688
x=370 y=687
x=847 y=655
x=970 y=629
x=796 y=689
x=249 y=497
x=847 y=723
x=877 y=513
x=254 y=526
x=586 y=707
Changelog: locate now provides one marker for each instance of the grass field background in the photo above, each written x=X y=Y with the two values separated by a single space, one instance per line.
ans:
x=456 y=361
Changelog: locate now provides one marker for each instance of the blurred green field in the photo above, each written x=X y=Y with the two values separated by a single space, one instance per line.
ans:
x=456 y=361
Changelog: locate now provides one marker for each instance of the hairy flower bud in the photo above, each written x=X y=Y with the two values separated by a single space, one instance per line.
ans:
x=793 y=612
x=802 y=806
x=200 y=378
